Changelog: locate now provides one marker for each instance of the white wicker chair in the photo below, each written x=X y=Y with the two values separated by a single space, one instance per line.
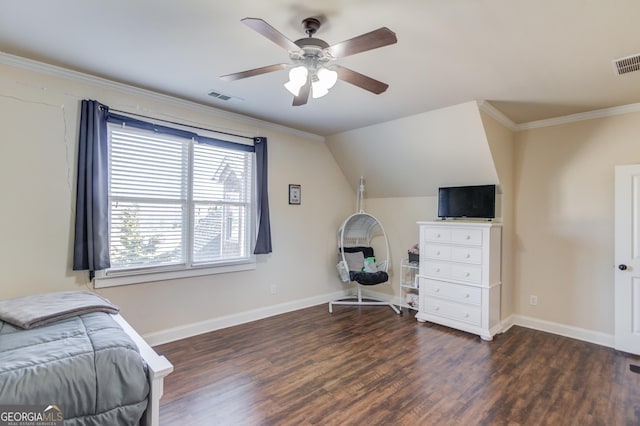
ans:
x=357 y=233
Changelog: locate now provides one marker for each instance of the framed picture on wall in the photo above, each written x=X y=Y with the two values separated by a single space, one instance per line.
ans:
x=295 y=194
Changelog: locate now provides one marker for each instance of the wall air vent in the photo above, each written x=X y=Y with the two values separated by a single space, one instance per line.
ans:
x=627 y=64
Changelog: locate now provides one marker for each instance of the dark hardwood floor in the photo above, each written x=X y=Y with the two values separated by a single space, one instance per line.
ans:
x=369 y=366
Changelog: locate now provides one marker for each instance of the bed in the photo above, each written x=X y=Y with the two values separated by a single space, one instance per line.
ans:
x=88 y=363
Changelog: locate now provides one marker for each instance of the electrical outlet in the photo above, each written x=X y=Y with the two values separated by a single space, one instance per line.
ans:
x=533 y=300
x=274 y=289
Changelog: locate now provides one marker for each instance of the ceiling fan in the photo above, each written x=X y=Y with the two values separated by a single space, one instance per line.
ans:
x=310 y=58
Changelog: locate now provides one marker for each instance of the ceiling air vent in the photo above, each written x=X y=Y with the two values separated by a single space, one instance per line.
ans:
x=220 y=96
x=627 y=64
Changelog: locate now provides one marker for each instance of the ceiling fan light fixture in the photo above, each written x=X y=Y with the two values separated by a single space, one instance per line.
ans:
x=294 y=89
x=297 y=79
x=323 y=80
x=327 y=77
x=298 y=75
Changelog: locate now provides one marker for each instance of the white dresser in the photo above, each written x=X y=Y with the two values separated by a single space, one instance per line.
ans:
x=459 y=275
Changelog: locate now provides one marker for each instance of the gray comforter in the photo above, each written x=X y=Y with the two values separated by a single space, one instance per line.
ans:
x=86 y=365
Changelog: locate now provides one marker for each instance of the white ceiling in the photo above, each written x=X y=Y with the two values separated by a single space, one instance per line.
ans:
x=532 y=59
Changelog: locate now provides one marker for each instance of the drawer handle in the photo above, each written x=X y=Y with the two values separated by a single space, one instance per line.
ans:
x=467 y=237
x=466 y=296
x=437 y=253
x=438 y=290
x=467 y=274
x=437 y=235
x=468 y=255
x=437 y=308
x=466 y=315
x=437 y=269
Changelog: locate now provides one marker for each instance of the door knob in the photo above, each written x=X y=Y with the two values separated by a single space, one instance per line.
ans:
x=622 y=267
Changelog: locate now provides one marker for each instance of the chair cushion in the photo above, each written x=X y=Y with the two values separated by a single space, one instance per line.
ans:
x=364 y=278
x=369 y=278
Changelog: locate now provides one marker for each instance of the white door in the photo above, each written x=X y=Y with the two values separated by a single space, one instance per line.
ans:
x=627 y=258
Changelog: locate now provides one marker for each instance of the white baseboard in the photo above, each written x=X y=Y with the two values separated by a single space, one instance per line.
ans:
x=189 y=330
x=578 y=333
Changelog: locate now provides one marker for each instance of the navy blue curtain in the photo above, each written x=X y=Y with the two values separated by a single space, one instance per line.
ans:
x=91 y=243
x=263 y=242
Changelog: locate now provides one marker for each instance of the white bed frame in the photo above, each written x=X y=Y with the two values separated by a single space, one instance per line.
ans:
x=159 y=367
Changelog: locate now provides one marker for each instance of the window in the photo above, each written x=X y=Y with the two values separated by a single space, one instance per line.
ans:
x=177 y=204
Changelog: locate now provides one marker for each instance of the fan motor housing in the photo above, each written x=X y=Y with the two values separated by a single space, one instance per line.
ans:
x=312 y=49
x=310 y=41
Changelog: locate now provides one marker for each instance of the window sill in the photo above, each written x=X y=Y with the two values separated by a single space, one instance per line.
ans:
x=102 y=280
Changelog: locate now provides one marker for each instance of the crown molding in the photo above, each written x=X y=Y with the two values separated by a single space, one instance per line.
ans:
x=497 y=115
x=492 y=111
x=56 y=71
x=582 y=116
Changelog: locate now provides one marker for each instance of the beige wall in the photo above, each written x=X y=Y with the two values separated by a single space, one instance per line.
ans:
x=413 y=156
x=37 y=187
x=501 y=143
x=564 y=218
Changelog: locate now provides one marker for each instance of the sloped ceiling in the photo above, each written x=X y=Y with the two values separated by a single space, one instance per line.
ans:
x=413 y=156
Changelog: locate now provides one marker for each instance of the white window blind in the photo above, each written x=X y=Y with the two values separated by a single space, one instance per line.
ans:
x=222 y=184
x=176 y=204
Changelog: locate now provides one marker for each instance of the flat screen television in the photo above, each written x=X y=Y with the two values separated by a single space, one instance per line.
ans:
x=477 y=201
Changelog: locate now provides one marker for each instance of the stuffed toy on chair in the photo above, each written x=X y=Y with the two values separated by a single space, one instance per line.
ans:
x=370 y=265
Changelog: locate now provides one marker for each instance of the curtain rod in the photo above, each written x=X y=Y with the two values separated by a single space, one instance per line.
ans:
x=182 y=124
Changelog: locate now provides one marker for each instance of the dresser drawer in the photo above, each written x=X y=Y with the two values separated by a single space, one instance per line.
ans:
x=437 y=234
x=449 y=270
x=466 y=254
x=436 y=270
x=470 y=273
x=466 y=236
x=436 y=251
x=452 y=310
x=454 y=292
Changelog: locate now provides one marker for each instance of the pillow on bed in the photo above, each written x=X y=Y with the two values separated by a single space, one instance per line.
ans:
x=355 y=261
x=40 y=309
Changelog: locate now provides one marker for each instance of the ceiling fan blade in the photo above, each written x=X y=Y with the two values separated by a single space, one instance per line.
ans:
x=360 y=80
x=269 y=32
x=303 y=95
x=371 y=40
x=254 y=72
